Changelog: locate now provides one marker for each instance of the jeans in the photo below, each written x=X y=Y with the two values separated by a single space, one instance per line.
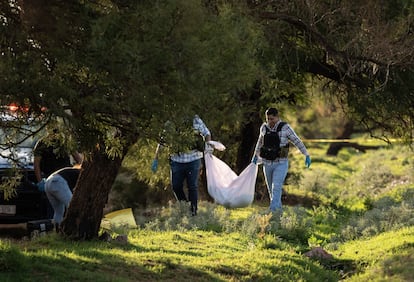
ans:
x=59 y=195
x=275 y=173
x=186 y=171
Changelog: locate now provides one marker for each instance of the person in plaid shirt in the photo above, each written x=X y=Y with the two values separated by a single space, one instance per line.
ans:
x=186 y=166
x=275 y=171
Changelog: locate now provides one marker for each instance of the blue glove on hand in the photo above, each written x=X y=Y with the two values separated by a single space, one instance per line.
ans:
x=154 y=165
x=254 y=160
x=308 y=161
x=41 y=185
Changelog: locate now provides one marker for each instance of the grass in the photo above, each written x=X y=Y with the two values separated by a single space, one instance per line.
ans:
x=364 y=219
x=386 y=257
x=157 y=256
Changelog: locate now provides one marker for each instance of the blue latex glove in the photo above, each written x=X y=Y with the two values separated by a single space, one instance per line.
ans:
x=254 y=160
x=308 y=161
x=41 y=185
x=154 y=165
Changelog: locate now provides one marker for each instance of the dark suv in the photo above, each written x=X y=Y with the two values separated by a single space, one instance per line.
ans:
x=27 y=203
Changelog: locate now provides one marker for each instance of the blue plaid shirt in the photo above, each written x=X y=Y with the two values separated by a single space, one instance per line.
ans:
x=192 y=155
x=286 y=134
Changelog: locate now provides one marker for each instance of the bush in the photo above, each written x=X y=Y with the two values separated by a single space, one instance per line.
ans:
x=295 y=225
x=386 y=214
x=11 y=259
x=176 y=216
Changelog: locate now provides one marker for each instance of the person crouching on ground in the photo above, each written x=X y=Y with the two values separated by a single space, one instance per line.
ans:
x=58 y=187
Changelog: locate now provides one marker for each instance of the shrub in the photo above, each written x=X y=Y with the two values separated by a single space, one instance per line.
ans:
x=176 y=216
x=10 y=258
x=385 y=216
x=295 y=225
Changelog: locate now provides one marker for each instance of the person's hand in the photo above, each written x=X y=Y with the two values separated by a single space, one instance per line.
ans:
x=254 y=159
x=209 y=149
x=308 y=161
x=41 y=185
x=154 y=165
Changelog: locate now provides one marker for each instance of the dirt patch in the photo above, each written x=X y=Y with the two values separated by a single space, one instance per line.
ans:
x=296 y=200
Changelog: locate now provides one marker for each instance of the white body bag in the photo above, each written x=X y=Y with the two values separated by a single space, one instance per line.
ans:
x=226 y=187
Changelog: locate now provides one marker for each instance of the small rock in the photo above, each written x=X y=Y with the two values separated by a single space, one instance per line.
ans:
x=106 y=237
x=318 y=253
x=122 y=239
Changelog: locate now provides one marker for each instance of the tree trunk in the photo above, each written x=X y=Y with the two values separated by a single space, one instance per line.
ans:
x=346 y=133
x=249 y=131
x=85 y=212
x=249 y=134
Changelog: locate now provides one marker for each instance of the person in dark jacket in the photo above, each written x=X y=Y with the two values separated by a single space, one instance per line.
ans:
x=49 y=156
x=58 y=187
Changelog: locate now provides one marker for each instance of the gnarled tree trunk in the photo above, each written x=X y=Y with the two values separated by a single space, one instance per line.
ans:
x=85 y=212
x=98 y=173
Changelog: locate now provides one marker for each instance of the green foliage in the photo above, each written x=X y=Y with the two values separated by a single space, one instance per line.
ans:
x=385 y=214
x=117 y=71
x=9 y=185
x=173 y=57
x=295 y=225
x=252 y=244
x=210 y=217
x=11 y=259
x=373 y=175
x=161 y=256
x=380 y=257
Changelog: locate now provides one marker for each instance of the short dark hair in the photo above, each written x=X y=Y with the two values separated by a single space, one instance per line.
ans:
x=272 y=112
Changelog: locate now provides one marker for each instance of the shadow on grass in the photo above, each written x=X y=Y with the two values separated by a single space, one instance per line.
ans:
x=298 y=200
x=344 y=268
x=91 y=261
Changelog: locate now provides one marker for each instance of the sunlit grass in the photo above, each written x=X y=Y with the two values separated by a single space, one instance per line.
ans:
x=388 y=256
x=163 y=256
x=362 y=215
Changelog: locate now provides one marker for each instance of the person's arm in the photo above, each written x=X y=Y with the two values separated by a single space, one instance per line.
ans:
x=259 y=142
x=158 y=151
x=293 y=137
x=299 y=144
x=207 y=138
x=154 y=165
x=200 y=126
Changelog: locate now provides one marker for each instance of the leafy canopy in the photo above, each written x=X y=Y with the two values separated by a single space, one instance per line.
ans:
x=111 y=70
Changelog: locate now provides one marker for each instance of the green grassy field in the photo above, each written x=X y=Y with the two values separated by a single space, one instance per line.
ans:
x=364 y=221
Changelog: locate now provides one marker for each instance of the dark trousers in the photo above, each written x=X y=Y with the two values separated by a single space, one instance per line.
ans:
x=189 y=172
